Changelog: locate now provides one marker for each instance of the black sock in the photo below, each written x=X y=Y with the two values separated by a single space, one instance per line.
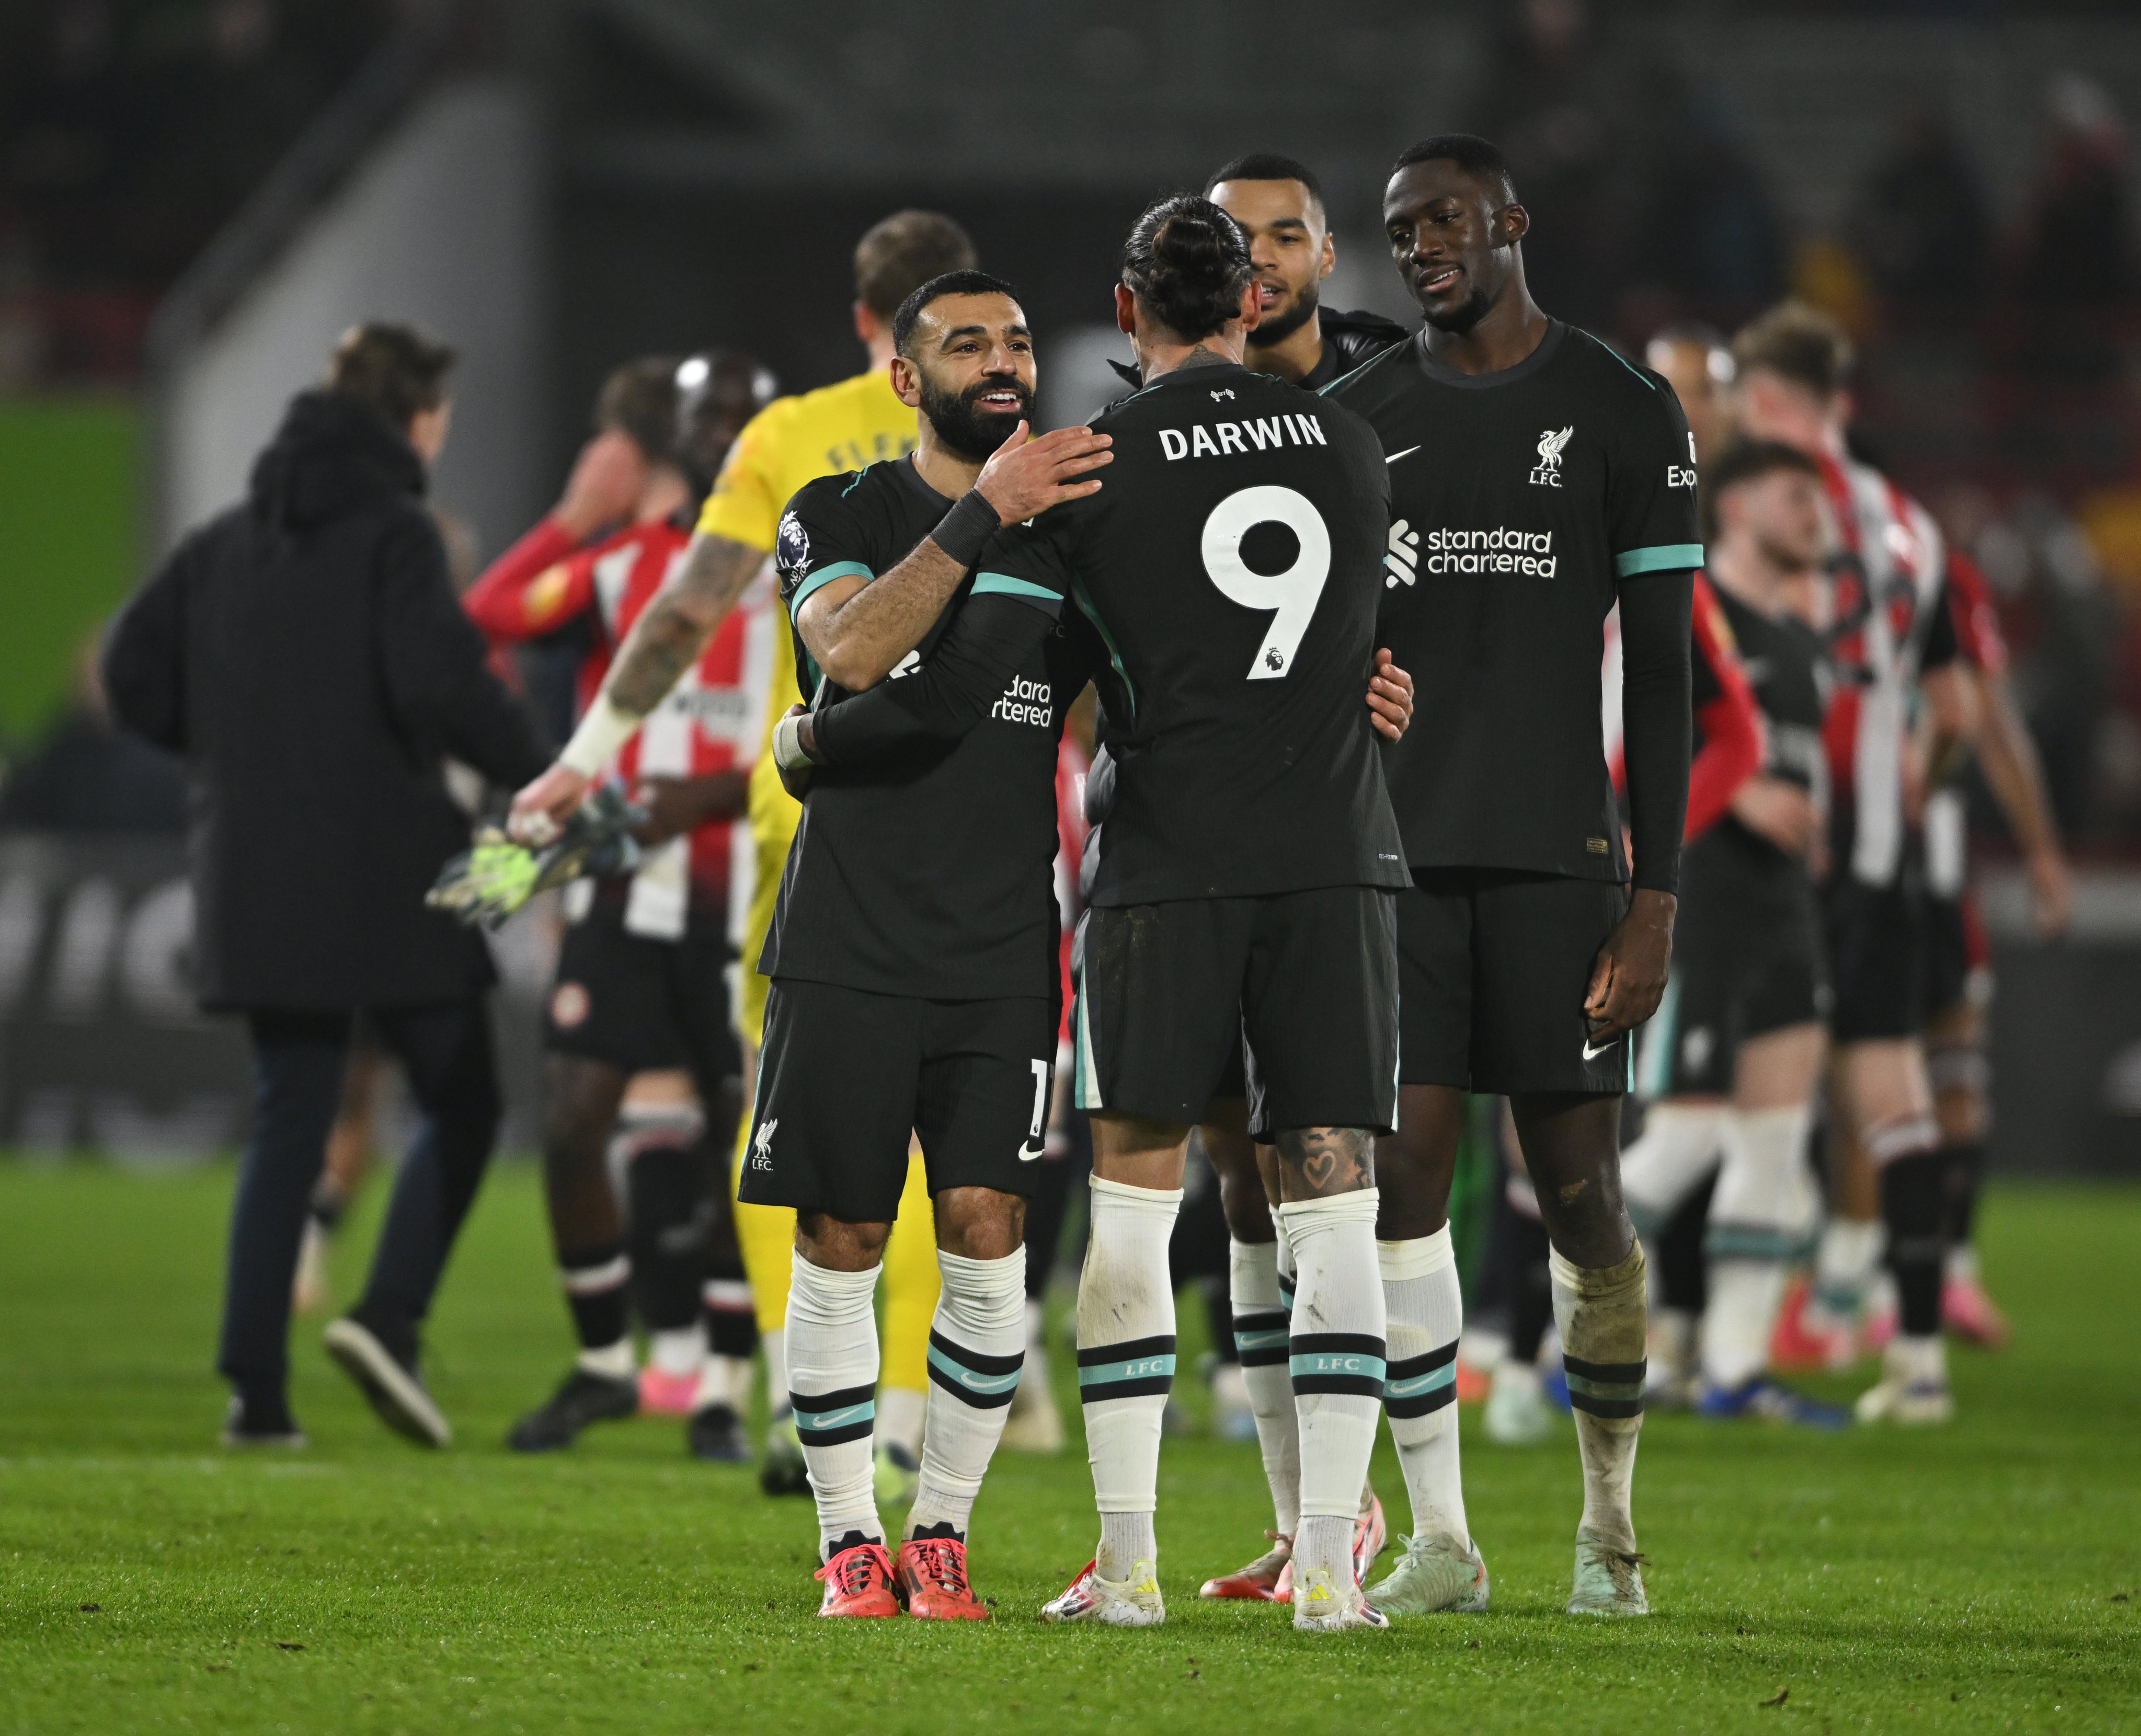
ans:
x=595 y=1281
x=1678 y=1259
x=1965 y=1182
x=1911 y=1197
x=667 y=1213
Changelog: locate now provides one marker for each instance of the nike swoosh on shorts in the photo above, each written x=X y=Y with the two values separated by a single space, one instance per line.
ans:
x=1033 y=1155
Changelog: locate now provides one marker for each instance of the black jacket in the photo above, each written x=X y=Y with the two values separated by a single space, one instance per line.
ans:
x=305 y=653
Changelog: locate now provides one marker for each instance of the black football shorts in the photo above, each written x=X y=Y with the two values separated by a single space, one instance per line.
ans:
x=642 y=1004
x=1169 y=994
x=1876 y=957
x=1748 y=959
x=1493 y=965
x=845 y=1074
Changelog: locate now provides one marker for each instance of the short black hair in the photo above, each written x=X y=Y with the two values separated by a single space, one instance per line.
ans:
x=907 y=248
x=1746 y=460
x=1481 y=159
x=1188 y=262
x=950 y=283
x=395 y=368
x=1268 y=165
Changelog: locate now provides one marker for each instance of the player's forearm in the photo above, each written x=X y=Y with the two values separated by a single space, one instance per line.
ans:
x=2009 y=759
x=668 y=638
x=941 y=701
x=1952 y=721
x=1656 y=729
x=858 y=643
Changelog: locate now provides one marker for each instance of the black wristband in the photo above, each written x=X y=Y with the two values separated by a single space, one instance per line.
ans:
x=965 y=531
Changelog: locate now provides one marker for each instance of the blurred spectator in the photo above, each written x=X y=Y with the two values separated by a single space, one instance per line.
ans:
x=86 y=774
x=2076 y=249
x=1698 y=365
x=1920 y=222
x=305 y=652
x=1710 y=231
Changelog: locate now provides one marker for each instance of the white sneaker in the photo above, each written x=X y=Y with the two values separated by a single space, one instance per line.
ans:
x=1913 y=1389
x=1132 y=1602
x=1434 y=1574
x=1609 y=1579
x=1323 y=1604
x=1516 y=1413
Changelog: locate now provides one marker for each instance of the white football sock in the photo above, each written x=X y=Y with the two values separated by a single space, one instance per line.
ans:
x=1036 y=1346
x=1844 y=1266
x=723 y=1380
x=977 y=1348
x=1680 y=1142
x=832 y=1378
x=901 y=1411
x=1604 y=1324
x=1760 y=1217
x=679 y=1350
x=1260 y=1339
x=1337 y=1352
x=1126 y=1362
x=1426 y=1310
x=1744 y=1296
x=774 y=1347
x=612 y=1362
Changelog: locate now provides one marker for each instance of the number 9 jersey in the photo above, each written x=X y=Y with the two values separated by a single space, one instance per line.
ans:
x=1232 y=561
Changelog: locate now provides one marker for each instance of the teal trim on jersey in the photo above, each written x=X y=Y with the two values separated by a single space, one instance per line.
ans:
x=1419 y=1386
x=970 y=1379
x=1649 y=383
x=1114 y=656
x=826 y=576
x=817 y=1421
x=1659 y=557
x=857 y=482
x=1002 y=584
x=1140 y=1368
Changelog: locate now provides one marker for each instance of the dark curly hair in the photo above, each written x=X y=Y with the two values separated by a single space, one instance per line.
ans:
x=1188 y=262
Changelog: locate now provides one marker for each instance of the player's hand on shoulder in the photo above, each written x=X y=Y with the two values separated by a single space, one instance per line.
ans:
x=1390 y=697
x=542 y=807
x=1628 y=980
x=1024 y=477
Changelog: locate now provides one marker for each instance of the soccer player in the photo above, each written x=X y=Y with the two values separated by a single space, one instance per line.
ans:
x=1231 y=567
x=1279 y=204
x=638 y=1033
x=913 y=952
x=1739 y=1044
x=1536 y=478
x=1893 y=644
x=792 y=441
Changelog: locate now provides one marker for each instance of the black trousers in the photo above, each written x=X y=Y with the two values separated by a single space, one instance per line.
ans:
x=298 y=1059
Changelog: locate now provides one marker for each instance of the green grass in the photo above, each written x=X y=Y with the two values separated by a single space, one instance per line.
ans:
x=1970 y=1578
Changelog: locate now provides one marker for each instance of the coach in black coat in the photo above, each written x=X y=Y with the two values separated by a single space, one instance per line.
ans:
x=305 y=653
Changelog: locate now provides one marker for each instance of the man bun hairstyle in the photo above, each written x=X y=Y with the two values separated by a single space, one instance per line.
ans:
x=1746 y=460
x=1798 y=342
x=394 y=368
x=1481 y=159
x=1188 y=262
x=1267 y=166
x=903 y=253
x=639 y=401
x=952 y=282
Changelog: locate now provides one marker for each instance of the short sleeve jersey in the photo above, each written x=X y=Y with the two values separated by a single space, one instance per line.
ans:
x=932 y=875
x=1231 y=562
x=1523 y=501
x=794 y=440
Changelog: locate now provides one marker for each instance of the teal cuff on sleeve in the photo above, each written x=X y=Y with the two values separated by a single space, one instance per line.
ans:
x=826 y=575
x=1002 y=584
x=1662 y=558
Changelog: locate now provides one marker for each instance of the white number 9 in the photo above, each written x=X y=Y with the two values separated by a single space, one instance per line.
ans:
x=1293 y=593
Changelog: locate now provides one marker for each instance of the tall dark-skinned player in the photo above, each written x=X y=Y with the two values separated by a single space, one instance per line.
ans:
x=1536 y=480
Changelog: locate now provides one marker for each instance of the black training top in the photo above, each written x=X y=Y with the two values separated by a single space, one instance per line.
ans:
x=929 y=870
x=1782 y=657
x=1527 y=502
x=1232 y=561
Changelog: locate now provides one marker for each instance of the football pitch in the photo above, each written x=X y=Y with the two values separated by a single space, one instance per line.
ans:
x=1983 y=1576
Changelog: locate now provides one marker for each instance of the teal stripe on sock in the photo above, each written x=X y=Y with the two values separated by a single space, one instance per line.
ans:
x=1141 y=1368
x=962 y=1376
x=1420 y=1385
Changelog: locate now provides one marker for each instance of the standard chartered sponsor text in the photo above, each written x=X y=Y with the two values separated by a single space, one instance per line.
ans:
x=1024 y=702
x=1466 y=551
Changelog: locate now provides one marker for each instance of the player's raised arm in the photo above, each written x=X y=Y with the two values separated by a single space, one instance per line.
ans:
x=665 y=642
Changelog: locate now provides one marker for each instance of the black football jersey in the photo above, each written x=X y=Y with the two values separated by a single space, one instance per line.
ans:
x=932 y=874
x=1522 y=502
x=1785 y=665
x=1232 y=561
